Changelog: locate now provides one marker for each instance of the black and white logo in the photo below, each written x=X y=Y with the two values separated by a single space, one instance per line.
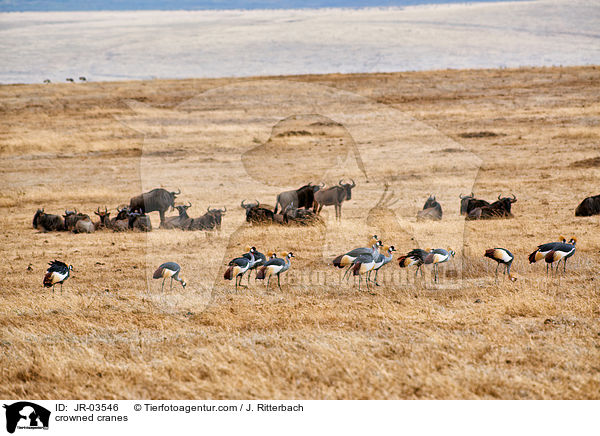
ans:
x=26 y=415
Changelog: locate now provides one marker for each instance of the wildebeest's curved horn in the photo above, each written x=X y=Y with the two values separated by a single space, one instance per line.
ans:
x=499 y=196
x=257 y=202
x=514 y=196
x=353 y=184
x=189 y=204
x=224 y=209
x=321 y=185
x=66 y=212
x=105 y=209
x=242 y=204
x=176 y=193
x=462 y=197
x=98 y=210
x=208 y=208
x=340 y=182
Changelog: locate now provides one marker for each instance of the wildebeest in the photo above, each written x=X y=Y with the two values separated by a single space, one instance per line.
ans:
x=182 y=221
x=334 y=196
x=104 y=216
x=302 y=197
x=121 y=221
x=208 y=221
x=257 y=214
x=299 y=216
x=217 y=215
x=432 y=210
x=589 y=206
x=498 y=209
x=84 y=225
x=469 y=202
x=47 y=222
x=72 y=217
x=140 y=221
x=158 y=199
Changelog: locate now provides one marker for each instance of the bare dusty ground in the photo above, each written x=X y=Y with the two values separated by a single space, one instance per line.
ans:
x=113 y=334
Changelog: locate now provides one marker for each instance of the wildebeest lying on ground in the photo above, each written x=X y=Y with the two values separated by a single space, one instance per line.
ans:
x=47 y=222
x=498 y=209
x=72 y=217
x=469 y=202
x=334 y=196
x=589 y=206
x=158 y=199
x=182 y=221
x=257 y=214
x=432 y=210
x=211 y=220
x=302 y=197
x=294 y=215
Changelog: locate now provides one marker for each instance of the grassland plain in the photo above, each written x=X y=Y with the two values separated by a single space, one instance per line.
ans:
x=113 y=334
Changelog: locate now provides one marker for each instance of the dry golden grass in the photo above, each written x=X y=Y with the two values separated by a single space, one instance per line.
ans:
x=113 y=334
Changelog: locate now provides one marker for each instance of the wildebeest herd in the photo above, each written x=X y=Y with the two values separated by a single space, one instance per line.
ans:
x=132 y=217
x=294 y=207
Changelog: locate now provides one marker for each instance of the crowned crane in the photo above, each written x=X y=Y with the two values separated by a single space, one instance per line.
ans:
x=502 y=256
x=364 y=264
x=543 y=250
x=413 y=257
x=259 y=260
x=382 y=259
x=238 y=266
x=166 y=270
x=275 y=266
x=57 y=272
x=437 y=256
x=347 y=259
x=561 y=251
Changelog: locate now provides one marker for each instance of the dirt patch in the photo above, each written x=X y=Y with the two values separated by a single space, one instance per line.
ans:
x=482 y=134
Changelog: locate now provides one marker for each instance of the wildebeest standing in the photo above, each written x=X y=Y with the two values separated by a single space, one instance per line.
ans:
x=47 y=222
x=432 y=210
x=302 y=197
x=469 y=202
x=498 y=209
x=334 y=196
x=158 y=199
x=589 y=206
x=257 y=214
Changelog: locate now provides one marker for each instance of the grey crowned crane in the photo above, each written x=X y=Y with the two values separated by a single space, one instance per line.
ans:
x=382 y=259
x=238 y=266
x=259 y=260
x=561 y=251
x=275 y=266
x=56 y=273
x=169 y=270
x=364 y=264
x=436 y=257
x=347 y=259
x=544 y=249
x=504 y=257
x=413 y=257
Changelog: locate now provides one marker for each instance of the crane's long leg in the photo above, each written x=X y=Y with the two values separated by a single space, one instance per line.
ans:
x=268 y=281
x=346 y=272
x=163 y=285
x=496 y=281
x=278 y=282
x=376 y=272
x=171 y=287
